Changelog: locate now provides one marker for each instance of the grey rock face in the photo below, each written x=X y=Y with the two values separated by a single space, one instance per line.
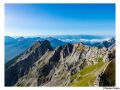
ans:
x=22 y=65
x=40 y=65
x=107 y=77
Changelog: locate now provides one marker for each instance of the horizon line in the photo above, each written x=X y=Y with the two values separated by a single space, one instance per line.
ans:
x=47 y=35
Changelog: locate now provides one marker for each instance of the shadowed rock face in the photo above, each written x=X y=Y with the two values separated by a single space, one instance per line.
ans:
x=107 y=77
x=53 y=62
x=40 y=65
x=23 y=63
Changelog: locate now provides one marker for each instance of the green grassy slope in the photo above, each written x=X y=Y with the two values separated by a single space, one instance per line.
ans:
x=87 y=76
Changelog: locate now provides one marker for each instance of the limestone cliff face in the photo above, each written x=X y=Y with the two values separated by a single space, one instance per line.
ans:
x=42 y=66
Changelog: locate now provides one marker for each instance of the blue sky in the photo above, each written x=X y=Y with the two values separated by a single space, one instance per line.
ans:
x=59 y=19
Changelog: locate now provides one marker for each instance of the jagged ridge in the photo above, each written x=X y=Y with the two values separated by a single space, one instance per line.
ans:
x=40 y=65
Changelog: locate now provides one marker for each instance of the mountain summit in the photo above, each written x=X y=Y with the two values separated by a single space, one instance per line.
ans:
x=25 y=61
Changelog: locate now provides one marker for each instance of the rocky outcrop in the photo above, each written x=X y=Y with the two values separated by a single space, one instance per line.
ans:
x=42 y=66
x=107 y=77
x=22 y=65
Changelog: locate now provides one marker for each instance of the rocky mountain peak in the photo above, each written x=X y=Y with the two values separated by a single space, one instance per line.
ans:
x=41 y=44
x=67 y=49
x=40 y=65
x=22 y=64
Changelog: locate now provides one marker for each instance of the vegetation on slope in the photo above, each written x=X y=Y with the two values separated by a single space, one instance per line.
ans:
x=86 y=76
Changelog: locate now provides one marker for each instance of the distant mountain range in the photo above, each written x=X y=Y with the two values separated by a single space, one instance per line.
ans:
x=77 y=38
x=15 y=46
